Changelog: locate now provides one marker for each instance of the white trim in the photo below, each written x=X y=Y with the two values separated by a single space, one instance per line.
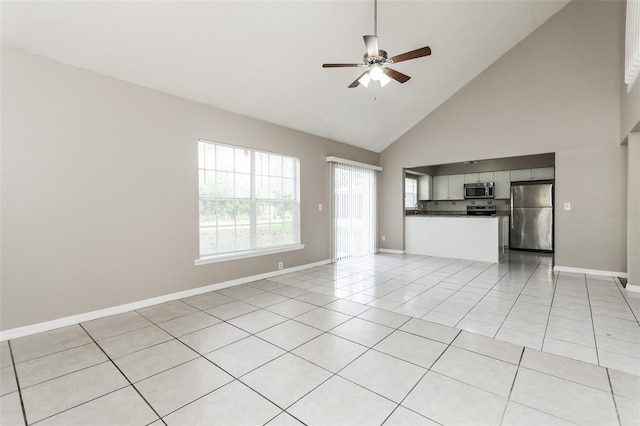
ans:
x=633 y=288
x=88 y=316
x=391 y=251
x=353 y=163
x=246 y=254
x=589 y=271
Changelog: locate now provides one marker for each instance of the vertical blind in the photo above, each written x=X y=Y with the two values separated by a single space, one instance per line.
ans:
x=632 y=45
x=354 y=210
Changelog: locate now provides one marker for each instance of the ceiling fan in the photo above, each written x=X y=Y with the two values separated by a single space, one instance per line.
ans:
x=377 y=61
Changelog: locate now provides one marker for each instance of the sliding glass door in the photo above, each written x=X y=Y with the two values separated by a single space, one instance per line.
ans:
x=354 y=211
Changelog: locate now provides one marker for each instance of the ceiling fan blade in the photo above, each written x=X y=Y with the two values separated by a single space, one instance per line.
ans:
x=356 y=82
x=418 y=53
x=397 y=76
x=371 y=42
x=341 y=65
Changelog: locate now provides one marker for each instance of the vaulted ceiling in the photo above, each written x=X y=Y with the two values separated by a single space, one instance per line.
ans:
x=263 y=58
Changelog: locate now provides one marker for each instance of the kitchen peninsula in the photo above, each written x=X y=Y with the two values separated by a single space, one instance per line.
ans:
x=476 y=238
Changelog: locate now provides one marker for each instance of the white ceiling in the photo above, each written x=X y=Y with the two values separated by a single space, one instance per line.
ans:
x=263 y=58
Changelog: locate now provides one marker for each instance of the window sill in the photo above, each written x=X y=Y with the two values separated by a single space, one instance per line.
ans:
x=246 y=254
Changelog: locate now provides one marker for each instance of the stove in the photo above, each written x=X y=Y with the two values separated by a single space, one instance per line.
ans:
x=481 y=210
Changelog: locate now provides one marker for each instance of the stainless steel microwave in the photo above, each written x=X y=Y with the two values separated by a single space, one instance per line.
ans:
x=478 y=190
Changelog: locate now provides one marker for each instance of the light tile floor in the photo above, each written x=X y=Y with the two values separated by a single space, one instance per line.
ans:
x=384 y=339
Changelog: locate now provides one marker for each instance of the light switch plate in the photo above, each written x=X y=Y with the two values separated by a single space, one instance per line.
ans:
x=319 y=207
x=567 y=206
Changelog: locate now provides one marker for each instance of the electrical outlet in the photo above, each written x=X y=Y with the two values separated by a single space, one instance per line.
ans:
x=567 y=206
x=319 y=207
x=280 y=265
x=383 y=237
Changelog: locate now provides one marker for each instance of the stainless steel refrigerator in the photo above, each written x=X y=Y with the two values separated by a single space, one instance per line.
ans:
x=531 y=216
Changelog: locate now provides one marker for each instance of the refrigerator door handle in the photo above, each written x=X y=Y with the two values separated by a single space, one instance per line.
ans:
x=511 y=210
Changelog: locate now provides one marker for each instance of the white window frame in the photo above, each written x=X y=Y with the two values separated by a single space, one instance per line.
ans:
x=415 y=181
x=254 y=250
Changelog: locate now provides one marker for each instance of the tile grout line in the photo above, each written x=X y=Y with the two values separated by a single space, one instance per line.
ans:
x=516 y=301
x=53 y=353
x=15 y=372
x=553 y=297
x=593 y=327
x=124 y=375
x=513 y=385
x=332 y=374
x=422 y=377
x=480 y=300
x=430 y=287
x=627 y=302
x=613 y=396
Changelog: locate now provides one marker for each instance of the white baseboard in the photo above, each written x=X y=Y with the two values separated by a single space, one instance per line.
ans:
x=590 y=271
x=632 y=288
x=88 y=316
x=391 y=251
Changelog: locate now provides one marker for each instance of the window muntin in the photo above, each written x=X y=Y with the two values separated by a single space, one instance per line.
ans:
x=410 y=193
x=249 y=199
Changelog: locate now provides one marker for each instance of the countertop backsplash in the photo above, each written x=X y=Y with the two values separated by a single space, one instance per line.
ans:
x=459 y=207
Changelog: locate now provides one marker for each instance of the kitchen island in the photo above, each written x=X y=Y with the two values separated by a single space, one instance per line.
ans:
x=462 y=237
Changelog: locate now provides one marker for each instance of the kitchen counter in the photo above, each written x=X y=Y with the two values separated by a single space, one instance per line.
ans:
x=462 y=237
x=448 y=213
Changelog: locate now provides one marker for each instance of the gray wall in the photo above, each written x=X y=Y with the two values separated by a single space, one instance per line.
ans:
x=491 y=165
x=100 y=191
x=550 y=93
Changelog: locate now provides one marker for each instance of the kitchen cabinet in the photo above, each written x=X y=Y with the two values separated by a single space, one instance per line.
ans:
x=450 y=187
x=424 y=188
x=502 y=185
x=456 y=187
x=522 y=174
x=479 y=177
x=543 y=173
x=440 y=187
x=471 y=178
x=539 y=173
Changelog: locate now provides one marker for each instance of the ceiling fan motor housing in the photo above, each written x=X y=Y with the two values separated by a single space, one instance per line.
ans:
x=381 y=59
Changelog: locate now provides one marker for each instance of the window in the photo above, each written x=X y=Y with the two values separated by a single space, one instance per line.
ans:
x=249 y=200
x=410 y=193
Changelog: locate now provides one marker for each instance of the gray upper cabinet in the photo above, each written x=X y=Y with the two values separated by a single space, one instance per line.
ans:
x=441 y=187
x=543 y=173
x=456 y=187
x=448 y=187
x=540 y=173
x=424 y=188
x=479 y=177
x=502 y=184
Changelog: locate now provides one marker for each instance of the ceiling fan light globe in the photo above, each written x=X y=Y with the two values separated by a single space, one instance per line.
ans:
x=376 y=73
x=365 y=80
x=384 y=80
